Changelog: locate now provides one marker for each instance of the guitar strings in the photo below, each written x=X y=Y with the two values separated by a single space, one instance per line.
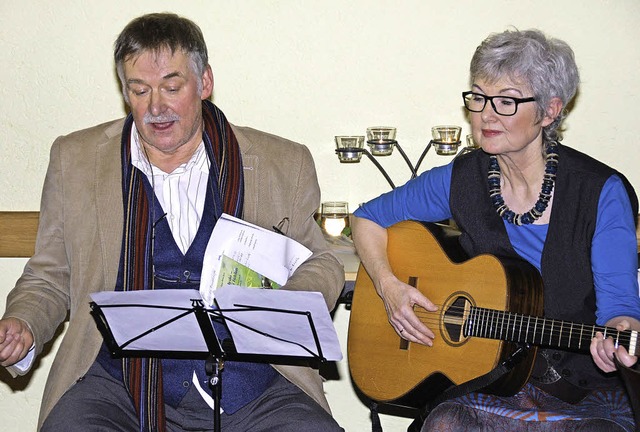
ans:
x=496 y=322
x=512 y=318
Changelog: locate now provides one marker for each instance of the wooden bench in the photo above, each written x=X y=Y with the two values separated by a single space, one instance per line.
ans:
x=18 y=234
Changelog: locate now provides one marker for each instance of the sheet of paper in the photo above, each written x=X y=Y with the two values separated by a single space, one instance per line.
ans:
x=132 y=313
x=272 y=255
x=293 y=329
x=231 y=272
x=135 y=315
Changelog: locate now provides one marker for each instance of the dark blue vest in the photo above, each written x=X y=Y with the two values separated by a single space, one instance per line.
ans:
x=242 y=382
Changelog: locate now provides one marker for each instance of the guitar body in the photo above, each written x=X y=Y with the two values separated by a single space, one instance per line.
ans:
x=389 y=369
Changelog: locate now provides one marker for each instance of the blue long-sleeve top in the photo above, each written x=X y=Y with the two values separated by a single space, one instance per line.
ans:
x=614 y=258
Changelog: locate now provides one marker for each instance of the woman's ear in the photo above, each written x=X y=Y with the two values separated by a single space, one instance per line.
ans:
x=553 y=110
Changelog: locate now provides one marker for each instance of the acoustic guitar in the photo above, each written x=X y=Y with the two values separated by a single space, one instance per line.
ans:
x=487 y=308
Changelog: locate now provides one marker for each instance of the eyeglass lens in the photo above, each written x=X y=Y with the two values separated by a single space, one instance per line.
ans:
x=502 y=105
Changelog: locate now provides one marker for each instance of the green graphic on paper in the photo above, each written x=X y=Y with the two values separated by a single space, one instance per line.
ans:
x=234 y=273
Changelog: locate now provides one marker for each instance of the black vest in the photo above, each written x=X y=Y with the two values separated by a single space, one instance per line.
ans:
x=569 y=292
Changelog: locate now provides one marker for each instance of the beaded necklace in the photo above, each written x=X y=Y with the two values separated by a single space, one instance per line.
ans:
x=548 y=182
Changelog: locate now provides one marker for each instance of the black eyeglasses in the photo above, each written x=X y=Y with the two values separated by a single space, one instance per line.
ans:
x=503 y=105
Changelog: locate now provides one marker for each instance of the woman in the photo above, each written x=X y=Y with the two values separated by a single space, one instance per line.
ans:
x=525 y=195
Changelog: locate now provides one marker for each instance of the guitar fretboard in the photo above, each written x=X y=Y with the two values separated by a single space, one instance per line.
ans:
x=513 y=327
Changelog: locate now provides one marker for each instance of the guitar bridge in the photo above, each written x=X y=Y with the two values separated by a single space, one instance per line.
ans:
x=413 y=281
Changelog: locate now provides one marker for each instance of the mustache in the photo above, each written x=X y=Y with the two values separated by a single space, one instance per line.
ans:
x=163 y=118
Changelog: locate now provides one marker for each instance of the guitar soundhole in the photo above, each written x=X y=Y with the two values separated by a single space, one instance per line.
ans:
x=455 y=310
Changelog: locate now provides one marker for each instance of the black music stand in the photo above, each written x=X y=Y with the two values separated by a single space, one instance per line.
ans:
x=194 y=322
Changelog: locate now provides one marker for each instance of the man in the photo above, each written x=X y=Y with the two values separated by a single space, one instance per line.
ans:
x=166 y=173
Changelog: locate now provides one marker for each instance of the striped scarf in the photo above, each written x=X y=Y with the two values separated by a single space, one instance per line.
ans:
x=143 y=376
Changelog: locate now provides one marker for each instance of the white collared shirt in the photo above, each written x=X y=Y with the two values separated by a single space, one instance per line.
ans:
x=181 y=193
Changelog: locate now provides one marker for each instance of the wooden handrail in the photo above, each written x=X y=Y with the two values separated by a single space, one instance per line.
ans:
x=18 y=234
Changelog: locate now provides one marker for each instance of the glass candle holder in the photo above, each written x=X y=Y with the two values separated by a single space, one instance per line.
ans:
x=334 y=217
x=446 y=139
x=349 y=148
x=381 y=140
x=471 y=144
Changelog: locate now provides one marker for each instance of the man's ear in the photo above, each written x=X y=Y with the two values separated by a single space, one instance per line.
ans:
x=207 y=83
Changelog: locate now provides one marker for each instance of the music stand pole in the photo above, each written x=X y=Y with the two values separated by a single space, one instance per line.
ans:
x=214 y=364
x=214 y=367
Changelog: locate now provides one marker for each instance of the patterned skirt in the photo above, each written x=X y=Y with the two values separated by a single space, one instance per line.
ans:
x=532 y=409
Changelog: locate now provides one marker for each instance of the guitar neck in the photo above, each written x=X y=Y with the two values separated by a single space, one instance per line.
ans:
x=513 y=327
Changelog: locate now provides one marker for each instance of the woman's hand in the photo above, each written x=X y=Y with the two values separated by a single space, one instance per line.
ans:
x=399 y=298
x=399 y=301
x=603 y=350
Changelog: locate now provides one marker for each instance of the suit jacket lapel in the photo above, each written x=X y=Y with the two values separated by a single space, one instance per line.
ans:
x=250 y=166
x=109 y=201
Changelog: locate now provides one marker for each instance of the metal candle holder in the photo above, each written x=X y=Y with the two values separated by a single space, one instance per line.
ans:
x=382 y=140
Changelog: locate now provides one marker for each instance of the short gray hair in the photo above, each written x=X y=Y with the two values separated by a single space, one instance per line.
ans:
x=547 y=65
x=156 y=32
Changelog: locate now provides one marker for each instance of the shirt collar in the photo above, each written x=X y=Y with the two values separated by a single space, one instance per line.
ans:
x=199 y=159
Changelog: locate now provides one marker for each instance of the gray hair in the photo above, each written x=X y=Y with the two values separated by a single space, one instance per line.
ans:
x=157 y=32
x=546 y=65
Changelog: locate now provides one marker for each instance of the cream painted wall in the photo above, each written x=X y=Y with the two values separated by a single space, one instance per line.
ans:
x=306 y=70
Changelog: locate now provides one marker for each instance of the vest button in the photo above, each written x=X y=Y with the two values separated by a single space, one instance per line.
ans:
x=556 y=356
x=185 y=384
x=566 y=373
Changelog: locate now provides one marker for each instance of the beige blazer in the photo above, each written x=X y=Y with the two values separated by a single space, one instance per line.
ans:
x=80 y=233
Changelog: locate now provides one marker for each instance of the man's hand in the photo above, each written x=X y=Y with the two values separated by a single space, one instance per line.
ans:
x=15 y=341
